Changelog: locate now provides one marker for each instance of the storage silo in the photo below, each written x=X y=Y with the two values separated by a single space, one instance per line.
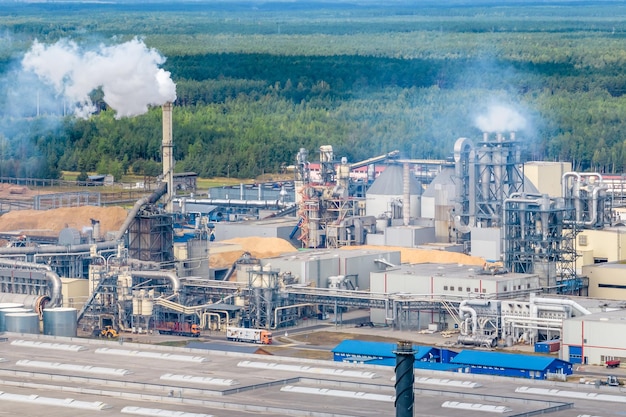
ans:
x=22 y=323
x=17 y=308
x=60 y=321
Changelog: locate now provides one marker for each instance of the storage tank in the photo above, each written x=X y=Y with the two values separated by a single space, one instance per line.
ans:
x=7 y=310
x=22 y=323
x=60 y=321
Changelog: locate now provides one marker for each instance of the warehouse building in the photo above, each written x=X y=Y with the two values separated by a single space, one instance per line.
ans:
x=382 y=353
x=511 y=364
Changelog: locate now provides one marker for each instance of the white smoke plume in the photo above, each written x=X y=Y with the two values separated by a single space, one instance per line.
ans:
x=499 y=119
x=128 y=74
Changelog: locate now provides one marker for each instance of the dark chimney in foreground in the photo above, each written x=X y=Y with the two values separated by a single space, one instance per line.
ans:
x=405 y=357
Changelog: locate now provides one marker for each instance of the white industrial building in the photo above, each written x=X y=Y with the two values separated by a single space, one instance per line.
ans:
x=316 y=266
x=451 y=282
x=595 y=338
x=386 y=195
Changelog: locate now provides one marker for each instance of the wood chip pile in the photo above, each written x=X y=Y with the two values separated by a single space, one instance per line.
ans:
x=258 y=247
x=51 y=222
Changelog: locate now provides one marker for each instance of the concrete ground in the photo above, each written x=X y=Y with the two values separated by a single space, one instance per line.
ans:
x=47 y=376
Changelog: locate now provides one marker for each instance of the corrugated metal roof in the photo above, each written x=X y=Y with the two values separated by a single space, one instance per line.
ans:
x=226 y=347
x=503 y=360
x=383 y=349
x=444 y=178
x=390 y=183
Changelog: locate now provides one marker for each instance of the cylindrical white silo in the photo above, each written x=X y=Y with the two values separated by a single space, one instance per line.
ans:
x=22 y=323
x=60 y=321
x=7 y=310
x=146 y=306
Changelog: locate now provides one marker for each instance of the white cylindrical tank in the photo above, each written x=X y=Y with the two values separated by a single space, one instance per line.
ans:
x=146 y=306
x=9 y=310
x=136 y=305
x=60 y=322
x=22 y=323
x=256 y=278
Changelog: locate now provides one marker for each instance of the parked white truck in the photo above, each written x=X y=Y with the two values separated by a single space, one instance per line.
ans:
x=242 y=334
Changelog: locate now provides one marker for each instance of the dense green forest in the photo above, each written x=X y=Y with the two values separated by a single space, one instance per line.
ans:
x=257 y=81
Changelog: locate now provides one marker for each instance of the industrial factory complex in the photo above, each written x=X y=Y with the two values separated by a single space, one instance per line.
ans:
x=547 y=244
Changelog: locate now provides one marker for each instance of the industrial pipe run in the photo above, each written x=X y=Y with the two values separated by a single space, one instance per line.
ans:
x=405 y=398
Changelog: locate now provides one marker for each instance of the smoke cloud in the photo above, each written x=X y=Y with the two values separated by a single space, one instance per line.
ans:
x=128 y=74
x=500 y=118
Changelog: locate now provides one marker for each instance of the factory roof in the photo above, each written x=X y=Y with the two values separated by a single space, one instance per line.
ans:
x=455 y=271
x=354 y=252
x=613 y=316
x=504 y=360
x=610 y=265
x=390 y=183
x=228 y=347
x=443 y=178
x=383 y=349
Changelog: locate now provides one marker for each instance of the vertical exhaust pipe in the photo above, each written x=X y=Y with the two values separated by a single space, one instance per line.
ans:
x=406 y=194
x=405 y=399
x=168 y=155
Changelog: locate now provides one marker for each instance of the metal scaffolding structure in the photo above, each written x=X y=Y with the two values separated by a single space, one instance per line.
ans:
x=485 y=176
x=151 y=237
x=536 y=239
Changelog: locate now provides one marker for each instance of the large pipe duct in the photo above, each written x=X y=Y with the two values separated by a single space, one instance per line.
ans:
x=464 y=166
x=56 y=295
x=536 y=305
x=151 y=199
x=405 y=398
x=172 y=277
x=267 y=204
x=35 y=302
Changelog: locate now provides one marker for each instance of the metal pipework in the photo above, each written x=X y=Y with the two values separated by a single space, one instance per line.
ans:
x=464 y=165
x=406 y=195
x=575 y=191
x=405 y=398
x=159 y=274
x=56 y=295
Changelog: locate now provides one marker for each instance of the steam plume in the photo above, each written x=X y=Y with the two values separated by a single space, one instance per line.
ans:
x=128 y=74
x=501 y=118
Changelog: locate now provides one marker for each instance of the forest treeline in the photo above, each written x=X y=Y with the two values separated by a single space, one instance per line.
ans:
x=254 y=87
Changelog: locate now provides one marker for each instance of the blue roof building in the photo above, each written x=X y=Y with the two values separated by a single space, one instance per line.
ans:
x=511 y=364
x=382 y=353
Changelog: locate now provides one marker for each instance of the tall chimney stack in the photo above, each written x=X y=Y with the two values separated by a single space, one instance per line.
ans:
x=167 y=153
x=405 y=398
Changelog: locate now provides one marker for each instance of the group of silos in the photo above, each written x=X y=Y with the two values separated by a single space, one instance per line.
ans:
x=59 y=321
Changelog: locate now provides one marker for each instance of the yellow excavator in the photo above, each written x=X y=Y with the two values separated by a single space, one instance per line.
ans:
x=108 y=332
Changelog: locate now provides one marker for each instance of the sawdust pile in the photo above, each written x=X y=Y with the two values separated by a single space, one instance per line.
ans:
x=420 y=256
x=258 y=247
x=51 y=222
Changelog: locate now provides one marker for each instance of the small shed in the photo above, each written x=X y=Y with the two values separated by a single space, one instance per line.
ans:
x=186 y=181
x=511 y=364
x=379 y=353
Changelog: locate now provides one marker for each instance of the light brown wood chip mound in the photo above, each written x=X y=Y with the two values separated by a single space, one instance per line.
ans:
x=51 y=222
